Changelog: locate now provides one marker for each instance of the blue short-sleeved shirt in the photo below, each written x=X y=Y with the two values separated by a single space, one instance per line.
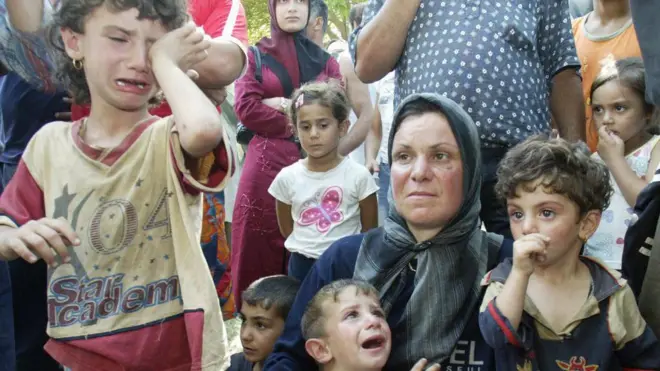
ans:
x=496 y=58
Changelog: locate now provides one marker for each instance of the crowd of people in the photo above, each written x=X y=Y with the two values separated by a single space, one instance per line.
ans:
x=461 y=185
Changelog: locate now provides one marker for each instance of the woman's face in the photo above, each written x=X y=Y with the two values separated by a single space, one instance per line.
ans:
x=427 y=174
x=291 y=14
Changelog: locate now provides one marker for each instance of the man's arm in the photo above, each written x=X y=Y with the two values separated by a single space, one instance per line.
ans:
x=377 y=45
x=556 y=48
x=358 y=95
x=567 y=105
x=25 y=15
x=23 y=46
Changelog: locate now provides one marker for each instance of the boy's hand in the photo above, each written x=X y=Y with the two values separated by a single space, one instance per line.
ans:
x=528 y=251
x=37 y=239
x=610 y=145
x=419 y=366
x=185 y=47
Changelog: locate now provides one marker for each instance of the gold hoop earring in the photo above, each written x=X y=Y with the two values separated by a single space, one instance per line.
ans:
x=77 y=64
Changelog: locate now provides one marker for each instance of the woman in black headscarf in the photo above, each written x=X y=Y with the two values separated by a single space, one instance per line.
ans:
x=429 y=258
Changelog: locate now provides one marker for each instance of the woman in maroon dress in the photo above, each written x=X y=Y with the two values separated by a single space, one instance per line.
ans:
x=257 y=245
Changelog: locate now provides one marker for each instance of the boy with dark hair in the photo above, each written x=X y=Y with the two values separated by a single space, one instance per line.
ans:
x=549 y=306
x=266 y=304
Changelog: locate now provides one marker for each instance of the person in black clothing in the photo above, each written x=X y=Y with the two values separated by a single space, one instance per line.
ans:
x=266 y=304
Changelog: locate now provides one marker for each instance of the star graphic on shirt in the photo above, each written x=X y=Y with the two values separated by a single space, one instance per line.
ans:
x=166 y=257
x=96 y=267
x=146 y=205
x=170 y=194
x=141 y=245
x=117 y=259
x=62 y=203
x=150 y=238
x=112 y=216
x=109 y=270
x=153 y=260
x=135 y=278
x=139 y=182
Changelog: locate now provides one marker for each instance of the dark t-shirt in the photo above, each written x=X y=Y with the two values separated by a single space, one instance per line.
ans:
x=645 y=14
x=239 y=363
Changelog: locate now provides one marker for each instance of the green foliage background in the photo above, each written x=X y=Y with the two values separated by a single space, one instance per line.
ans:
x=259 y=19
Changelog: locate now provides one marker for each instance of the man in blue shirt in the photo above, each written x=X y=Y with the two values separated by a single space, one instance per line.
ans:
x=502 y=61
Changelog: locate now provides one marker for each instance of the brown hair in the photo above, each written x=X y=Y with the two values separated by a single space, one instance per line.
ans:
x=563 y=167
x=313 y=320
x=328 y=94
x=72 y=14
x=630 y=73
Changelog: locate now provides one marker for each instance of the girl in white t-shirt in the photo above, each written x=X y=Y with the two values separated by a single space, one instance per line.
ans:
x=623 y=119
x=325 y=196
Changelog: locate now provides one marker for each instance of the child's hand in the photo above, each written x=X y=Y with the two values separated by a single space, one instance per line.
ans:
x=185 y=47
x=528 y=251
x=419 y=366
x=610 y=145
x=37 y=239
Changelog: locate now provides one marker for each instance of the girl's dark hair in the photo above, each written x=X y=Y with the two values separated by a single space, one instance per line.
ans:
x=329 y=94
x=72 y=14
x=630 y=73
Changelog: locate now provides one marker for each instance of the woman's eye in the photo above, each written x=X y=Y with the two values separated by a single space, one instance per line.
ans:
x=116 y=39
x=597 y=109
x=379 y=313
x=402 y=157
x=620 y=108
x=441 y=156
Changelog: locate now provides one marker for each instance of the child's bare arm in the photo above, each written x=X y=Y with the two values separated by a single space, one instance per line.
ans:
x=225 y=63
x=611 y=150
x=369 y=212
x=197 y=120
x=284 y=219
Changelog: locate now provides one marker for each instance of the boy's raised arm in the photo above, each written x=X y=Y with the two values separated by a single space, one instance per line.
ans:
x=196 y=118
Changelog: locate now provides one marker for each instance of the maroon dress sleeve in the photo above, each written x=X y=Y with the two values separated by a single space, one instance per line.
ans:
x=333 y=72
x=256 y=116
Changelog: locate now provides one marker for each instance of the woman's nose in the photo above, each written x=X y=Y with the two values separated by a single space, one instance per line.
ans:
x=608 y=118
x=420 y=169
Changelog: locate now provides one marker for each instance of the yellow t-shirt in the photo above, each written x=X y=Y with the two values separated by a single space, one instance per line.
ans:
x=137 y=294
x=591 y=50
